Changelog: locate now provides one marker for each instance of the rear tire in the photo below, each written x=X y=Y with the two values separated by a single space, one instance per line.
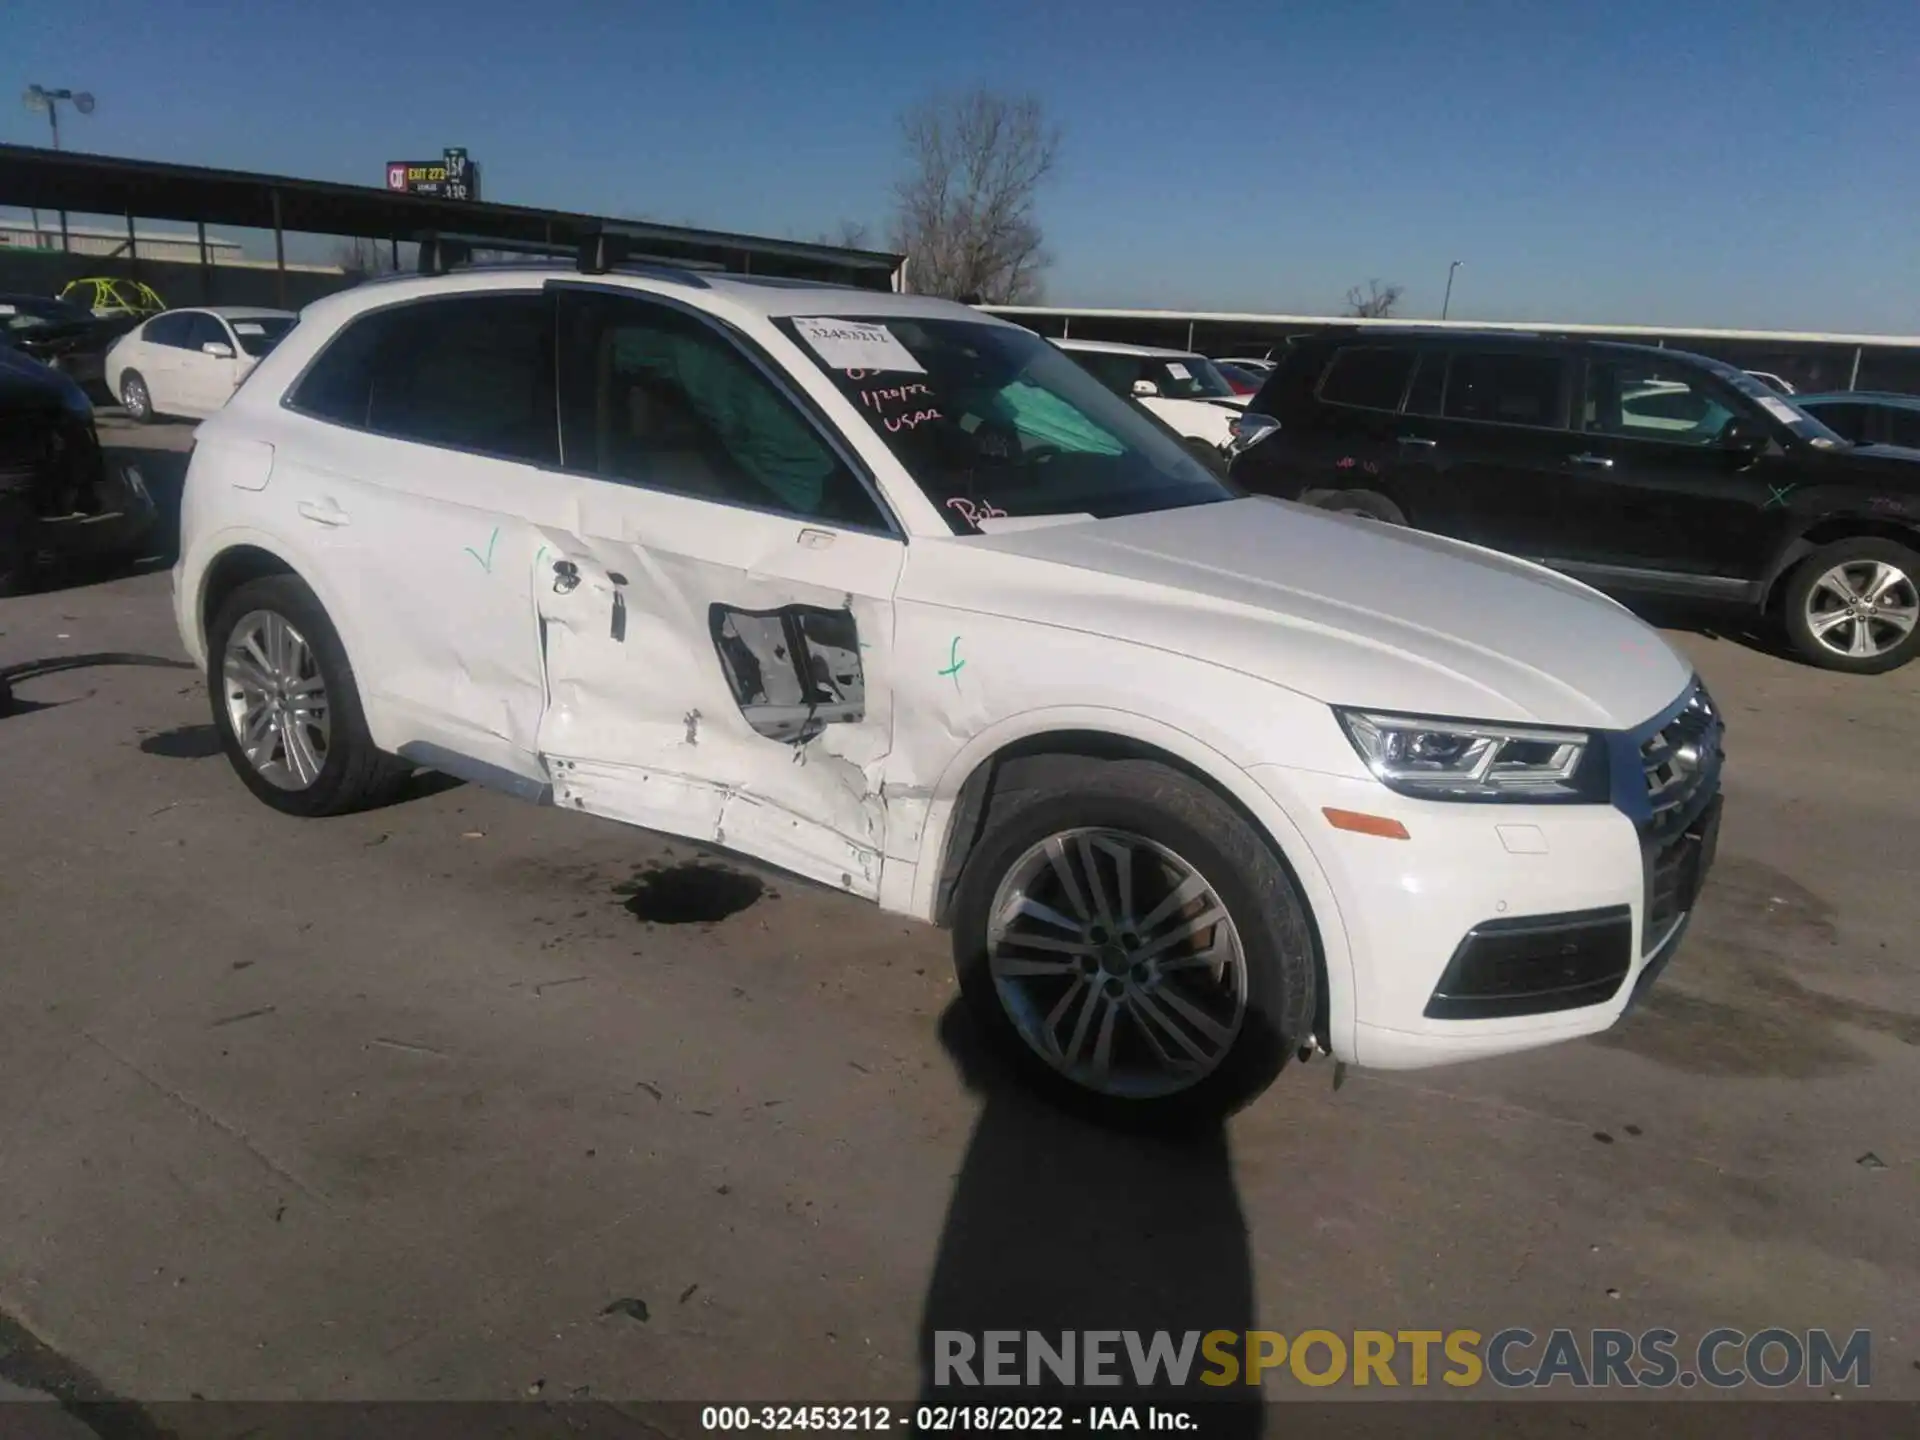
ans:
x=1854 y=606
x=1368 y=504
x=18 y=524
x=276 y=670
x=136 y=399
x=1046 y=1005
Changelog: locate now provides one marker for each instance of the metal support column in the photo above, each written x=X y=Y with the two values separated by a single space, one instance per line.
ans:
x=133 y=250
x=1190 y=335
x=1853 y=375
x=1066 y=327
x=206 y=270
x=279 y=252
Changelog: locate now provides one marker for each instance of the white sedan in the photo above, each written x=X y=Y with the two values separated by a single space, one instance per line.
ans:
x=1182 y=388
x=187 y=362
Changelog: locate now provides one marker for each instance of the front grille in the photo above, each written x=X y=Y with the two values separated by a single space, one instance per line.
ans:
x=55 y=458
x=1680 y=766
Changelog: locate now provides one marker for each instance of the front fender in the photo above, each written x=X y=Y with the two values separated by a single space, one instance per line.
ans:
x=936 y=831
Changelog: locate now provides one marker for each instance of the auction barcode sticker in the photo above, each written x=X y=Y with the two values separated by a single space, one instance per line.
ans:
x=855 y=344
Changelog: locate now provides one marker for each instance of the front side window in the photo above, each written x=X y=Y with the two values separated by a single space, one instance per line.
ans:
x=472 y=372
x=207 y=330
x=1640 y=399
x=1852 y=420
x=653 y=395
x=991 y=421
x=1370 y=377
x=1512 y=388
x=258 y=334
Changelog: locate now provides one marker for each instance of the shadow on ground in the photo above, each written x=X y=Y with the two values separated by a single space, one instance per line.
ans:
x=1057 y=1226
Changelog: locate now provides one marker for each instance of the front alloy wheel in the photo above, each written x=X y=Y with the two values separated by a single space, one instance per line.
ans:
x=1117 y=963
x=276 y=700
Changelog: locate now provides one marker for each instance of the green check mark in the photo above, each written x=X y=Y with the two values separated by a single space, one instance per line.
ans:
x=486 y=560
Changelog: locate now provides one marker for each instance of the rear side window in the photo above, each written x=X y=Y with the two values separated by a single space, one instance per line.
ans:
x=168 y=329
x=1369 y=377
x=1900 y=427
x=1508 y=389
x=473 y=372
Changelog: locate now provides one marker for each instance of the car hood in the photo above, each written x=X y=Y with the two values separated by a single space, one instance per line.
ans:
x=1346 y=610
x=25 y=382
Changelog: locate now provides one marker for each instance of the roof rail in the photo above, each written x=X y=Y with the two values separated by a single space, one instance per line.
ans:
x=441 y=252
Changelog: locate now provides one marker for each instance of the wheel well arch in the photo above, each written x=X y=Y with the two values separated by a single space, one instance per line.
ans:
x=1825 y=532
x=228 y=571
x=1049 y=757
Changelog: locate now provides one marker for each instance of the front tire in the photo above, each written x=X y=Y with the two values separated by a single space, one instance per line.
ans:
x=1133 y=943
x=1854 y=606
x=286 y=706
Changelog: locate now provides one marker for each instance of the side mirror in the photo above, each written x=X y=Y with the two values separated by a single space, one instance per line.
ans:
x=1744 y=436
x=1248 y=430
x=1145 y=389
x=219 y=349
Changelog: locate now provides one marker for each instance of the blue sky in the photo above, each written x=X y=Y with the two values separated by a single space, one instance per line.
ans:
x=1708 y=162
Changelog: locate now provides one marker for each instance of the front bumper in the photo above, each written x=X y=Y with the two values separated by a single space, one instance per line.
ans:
x=1496 y=928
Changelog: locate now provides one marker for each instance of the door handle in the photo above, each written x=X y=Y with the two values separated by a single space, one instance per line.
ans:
x=322 y=512
x=566 y=577
x=1420 y=440
x=1597 y=462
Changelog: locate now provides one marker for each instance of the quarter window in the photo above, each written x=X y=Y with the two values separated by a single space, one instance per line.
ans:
x=657 y=397
x=1370 y=377
x=473 y=372
x=1509 y=389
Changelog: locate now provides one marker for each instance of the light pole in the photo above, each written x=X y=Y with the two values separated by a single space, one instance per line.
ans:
x=39 y=97
x=1448 y=301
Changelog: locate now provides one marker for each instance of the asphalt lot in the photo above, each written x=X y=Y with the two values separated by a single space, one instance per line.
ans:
x=405 y=1105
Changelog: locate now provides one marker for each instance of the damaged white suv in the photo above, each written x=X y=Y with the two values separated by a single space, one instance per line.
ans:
x=893 y=595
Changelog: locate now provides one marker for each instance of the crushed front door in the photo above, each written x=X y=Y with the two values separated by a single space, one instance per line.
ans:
x=715 y=671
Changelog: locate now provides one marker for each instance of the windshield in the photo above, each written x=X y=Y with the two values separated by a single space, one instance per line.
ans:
x=1780 y=407
x=258 y=334
x=991 y=421
x=1189 y=377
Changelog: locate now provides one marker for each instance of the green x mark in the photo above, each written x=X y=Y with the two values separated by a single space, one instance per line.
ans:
x=954 y=663
x=1777 y=496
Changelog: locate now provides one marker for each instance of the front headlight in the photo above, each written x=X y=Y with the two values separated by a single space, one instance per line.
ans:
x=1437 y=759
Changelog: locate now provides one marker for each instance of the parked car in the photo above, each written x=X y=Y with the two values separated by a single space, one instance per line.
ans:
x=59 y=333
x=187 y=362
x=1262 y=366
x=1772 y=381
x=1643 y=470
x=890 y=594
x=1867 y=417
x=107 y=295
x=1244 y=379
x=59 y=496
x=1183 y=389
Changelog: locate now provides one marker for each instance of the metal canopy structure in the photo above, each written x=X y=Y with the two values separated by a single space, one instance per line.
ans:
x=33 y=177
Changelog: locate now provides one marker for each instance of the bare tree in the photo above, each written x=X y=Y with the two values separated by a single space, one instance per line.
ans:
x=849 y=235
x=975 y=165
x=362 y=259
x=1376 y=303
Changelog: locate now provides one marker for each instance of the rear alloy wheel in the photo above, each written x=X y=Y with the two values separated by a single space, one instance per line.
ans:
x=134 y=398
x=286 y=706
x=1855 y=606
